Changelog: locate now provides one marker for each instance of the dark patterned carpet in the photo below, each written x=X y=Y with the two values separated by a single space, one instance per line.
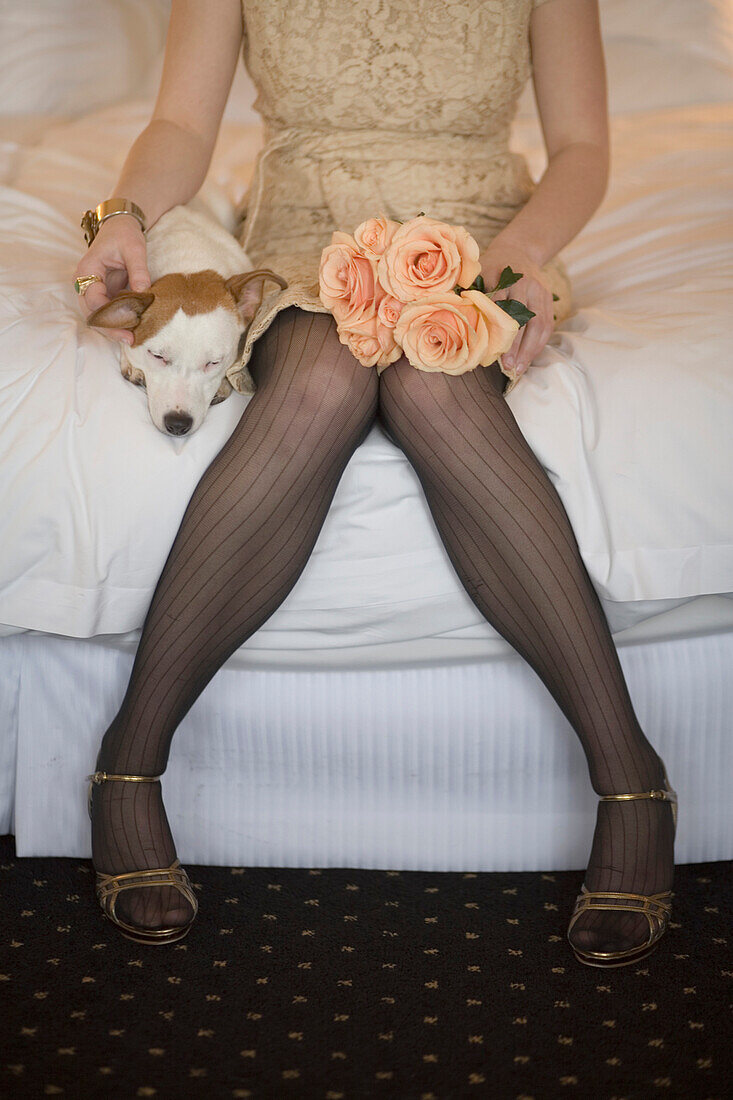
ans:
x=339 y=984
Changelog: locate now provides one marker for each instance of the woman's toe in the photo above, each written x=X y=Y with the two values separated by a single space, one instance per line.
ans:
x=608 y=937
x=154 y=908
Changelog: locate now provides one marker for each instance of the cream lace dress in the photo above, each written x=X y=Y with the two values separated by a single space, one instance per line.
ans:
x=371 y=106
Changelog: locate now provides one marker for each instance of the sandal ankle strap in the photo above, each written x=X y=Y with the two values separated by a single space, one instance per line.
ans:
x=661 y=795
x=103 y=777
x=97 y=778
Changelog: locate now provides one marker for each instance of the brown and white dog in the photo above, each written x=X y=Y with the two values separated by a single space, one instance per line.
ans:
x=190 y=325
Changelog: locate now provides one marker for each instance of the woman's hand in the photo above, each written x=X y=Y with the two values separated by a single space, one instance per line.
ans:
x=532 y=289
x=118 y=254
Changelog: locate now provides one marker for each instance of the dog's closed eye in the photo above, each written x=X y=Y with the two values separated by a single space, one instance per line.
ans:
x=158 y=356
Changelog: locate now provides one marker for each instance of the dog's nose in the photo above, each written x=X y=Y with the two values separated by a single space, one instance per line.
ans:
x=177 y=423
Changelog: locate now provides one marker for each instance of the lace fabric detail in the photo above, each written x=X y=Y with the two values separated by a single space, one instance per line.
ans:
x=391 y=106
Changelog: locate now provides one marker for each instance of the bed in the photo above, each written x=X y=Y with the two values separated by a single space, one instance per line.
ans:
x=376 y=719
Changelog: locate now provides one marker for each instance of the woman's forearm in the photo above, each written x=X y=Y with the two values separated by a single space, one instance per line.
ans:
x=565 y=198
x=166 y=165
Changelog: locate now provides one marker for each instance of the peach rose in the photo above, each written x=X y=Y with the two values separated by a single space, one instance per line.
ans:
x=454 y=333
x=371 y=342
x=347 y=281
x=375 y=234
x=501 y=329
x=426 y=256
x=388 y=310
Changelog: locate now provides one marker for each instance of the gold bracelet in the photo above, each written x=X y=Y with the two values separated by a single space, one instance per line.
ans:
x=93 y=219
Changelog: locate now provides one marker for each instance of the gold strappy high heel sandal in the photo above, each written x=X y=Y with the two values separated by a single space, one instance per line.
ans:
x=657 y=908
x=109 y=887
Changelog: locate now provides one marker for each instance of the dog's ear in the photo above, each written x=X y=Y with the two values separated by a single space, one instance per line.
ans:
x=247 y=290
x=124 y=311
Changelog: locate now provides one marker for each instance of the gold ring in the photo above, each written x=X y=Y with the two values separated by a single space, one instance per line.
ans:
x=83 y=284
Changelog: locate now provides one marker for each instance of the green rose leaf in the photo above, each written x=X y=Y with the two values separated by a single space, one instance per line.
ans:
x=556 y=297
x=478 y=284
x=507 y=278
x=517 y=310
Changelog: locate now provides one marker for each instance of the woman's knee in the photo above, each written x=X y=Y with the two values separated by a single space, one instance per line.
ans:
x=421 y=409
x=303 y=359
x=434 y=394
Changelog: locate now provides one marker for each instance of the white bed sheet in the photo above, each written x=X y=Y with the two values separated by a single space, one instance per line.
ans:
x=625 y=408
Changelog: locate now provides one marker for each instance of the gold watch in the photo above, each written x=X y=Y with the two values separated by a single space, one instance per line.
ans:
x=92 y=219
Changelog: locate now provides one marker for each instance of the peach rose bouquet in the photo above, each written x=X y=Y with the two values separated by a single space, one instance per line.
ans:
x=415 y=288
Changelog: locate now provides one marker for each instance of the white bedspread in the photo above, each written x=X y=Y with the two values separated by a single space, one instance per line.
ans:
x=629 y=407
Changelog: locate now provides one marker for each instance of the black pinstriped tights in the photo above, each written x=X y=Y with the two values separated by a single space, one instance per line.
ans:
x=248 y=532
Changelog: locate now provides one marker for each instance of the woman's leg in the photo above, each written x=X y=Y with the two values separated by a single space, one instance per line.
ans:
x=509 y=538
x=244 y=539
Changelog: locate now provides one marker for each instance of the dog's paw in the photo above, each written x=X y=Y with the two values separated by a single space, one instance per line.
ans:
x=223 y=392
x=132 y=374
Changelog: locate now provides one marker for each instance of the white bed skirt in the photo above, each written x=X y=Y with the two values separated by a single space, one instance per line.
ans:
x=470 y=767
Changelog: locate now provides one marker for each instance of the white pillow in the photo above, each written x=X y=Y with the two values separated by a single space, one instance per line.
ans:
x=662 y=53
x=69 y=57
